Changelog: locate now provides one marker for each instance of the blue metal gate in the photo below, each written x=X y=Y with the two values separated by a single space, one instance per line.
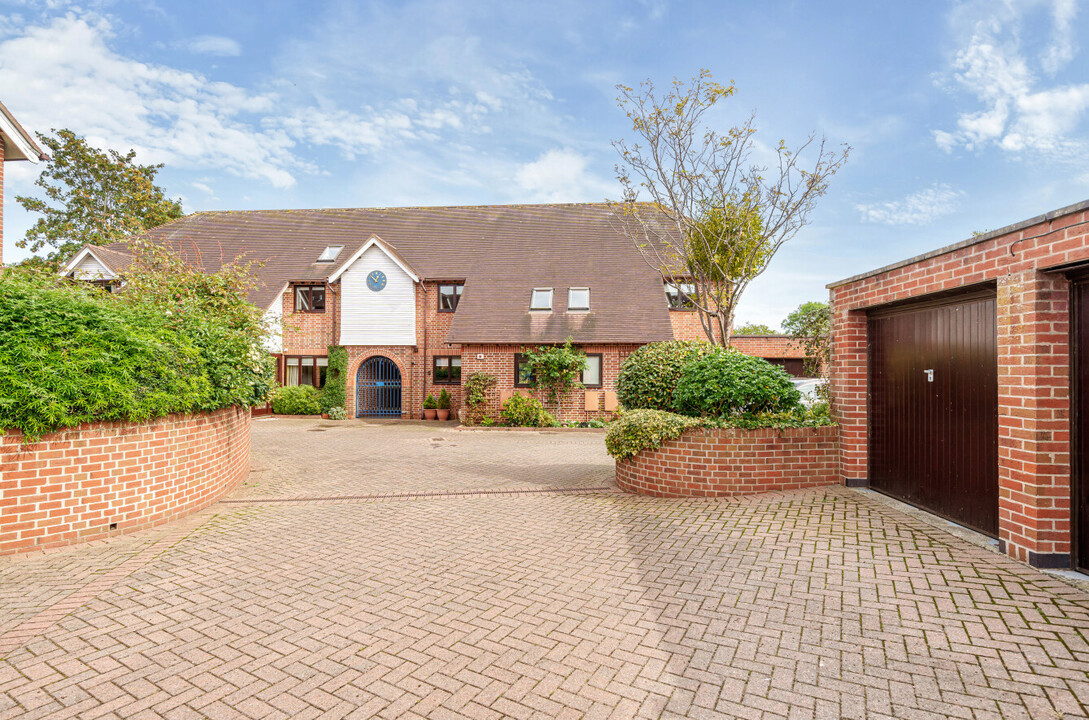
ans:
x=378 y=389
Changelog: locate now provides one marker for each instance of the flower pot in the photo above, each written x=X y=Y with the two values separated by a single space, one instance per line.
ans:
x=443 y=414
x=429 y=414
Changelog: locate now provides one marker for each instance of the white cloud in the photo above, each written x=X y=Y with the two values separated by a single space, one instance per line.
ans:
x=215 y=45
x=918 y=208
x=561 y=175
x=1018 y=113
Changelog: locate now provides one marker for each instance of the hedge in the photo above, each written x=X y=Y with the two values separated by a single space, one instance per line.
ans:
x=649 y=375
x=297 y=400
x=728 y=383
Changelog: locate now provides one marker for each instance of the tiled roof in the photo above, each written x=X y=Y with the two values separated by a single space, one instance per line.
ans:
x=501 y=252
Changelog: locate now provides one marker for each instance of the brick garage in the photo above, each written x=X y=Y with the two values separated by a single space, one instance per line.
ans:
x=72 y=485
x=721 y=463
x=1030 y=270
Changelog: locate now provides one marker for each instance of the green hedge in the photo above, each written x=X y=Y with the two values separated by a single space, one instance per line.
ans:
x=728 y=383
x=71 y=353
x=639 y=430
x=649 y=375
x=334 y=393
x=297 y=400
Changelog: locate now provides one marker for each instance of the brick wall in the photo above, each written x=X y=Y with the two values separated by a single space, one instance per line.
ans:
x=1033 y=308
x=73 y=484
x=768 y=346
x=719 y=463
x=310 y=333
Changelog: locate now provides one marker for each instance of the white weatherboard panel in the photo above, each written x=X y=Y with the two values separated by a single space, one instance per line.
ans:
x=91 y=269
x=367 y=317
x=274 y=318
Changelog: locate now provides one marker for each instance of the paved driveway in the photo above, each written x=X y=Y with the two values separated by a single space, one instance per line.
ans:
x=416 y=571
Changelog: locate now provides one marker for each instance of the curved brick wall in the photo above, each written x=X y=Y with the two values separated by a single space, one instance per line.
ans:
x=70 y=486
x=715 y=463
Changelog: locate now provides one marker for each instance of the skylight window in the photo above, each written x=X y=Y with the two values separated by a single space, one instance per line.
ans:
x=578 y=298
x=330 y=253
x=541 y=299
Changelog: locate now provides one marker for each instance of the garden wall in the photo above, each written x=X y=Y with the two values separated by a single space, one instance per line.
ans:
x=104 y=479
x=717 y=463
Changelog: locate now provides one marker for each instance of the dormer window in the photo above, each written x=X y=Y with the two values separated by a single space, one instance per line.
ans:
x=679 y=295
x=330 y=253
x=578 y=299
x=449 y=296
x=541 y=299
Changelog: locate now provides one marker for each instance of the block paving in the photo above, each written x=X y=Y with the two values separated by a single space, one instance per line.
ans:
x=329 y=587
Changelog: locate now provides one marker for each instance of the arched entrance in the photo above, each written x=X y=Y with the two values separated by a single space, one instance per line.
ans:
x=378 y=388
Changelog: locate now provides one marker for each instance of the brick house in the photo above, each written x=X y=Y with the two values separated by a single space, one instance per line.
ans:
x=15 y=144
x=422 y=297
x=961 y=381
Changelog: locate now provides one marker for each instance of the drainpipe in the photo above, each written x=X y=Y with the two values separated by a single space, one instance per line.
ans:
x=423 y=368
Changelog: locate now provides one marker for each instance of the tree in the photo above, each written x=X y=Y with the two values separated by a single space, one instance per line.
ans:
x=753 y=329
x=712 y=217
x=92 y=197
x=811 y=323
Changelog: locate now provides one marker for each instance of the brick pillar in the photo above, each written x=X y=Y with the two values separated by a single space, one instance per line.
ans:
x=1034 y=417
x=849 y=380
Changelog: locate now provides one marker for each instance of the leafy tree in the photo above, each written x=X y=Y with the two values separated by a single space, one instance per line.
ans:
x=811 y=323
x=712 y=216
x=753 y=329
x=92 y=197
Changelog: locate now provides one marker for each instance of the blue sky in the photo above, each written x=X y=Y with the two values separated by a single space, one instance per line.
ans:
x=963 y=116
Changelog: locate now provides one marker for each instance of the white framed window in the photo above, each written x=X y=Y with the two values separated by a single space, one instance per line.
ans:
x=330 y=253
x=591 y=374
x=578 y=298
x=541 y=299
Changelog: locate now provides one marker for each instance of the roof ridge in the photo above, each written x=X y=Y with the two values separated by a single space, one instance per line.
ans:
x=603 y=203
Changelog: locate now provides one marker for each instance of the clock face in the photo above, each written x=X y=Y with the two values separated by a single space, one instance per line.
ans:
x=376 y=280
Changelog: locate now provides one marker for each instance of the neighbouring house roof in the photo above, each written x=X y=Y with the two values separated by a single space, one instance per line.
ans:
x=501 y=252
x=18 y=143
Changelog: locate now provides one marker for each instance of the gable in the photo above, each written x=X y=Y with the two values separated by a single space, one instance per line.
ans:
x=382 y=317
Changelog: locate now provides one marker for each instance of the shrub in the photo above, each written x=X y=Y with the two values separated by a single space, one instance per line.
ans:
x=296 y=400
x=429 y=403
x=556 y=369
x=474 y=393
x=521 y=411
x=444 y=400
x=639 y=430
x=71 y=354
x=649 y=375
x=334 y=393
x=727 y=383
x=336 y=413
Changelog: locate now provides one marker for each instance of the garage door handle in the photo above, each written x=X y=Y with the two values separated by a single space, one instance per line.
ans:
x=929 y=375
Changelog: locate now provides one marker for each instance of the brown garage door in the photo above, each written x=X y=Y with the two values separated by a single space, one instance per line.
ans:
x=1080 y=485
x=934 y=407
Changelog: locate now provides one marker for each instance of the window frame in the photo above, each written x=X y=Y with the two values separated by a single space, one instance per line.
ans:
x=314 y=364
x=551 y=299
x=435 y=367
x=339 y=249
x=600 y=371
x=308 y=289
x=459 y=288
x=519 y=358
x=690 y=307
x=578 y=309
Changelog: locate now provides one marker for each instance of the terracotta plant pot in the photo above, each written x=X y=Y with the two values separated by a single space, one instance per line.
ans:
x=443 y=414
x=429 y=414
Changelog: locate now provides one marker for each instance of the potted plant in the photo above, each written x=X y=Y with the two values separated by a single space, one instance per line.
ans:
x=443 y=410
x=430 y=407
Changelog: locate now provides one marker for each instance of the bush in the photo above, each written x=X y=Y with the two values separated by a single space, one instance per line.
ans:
x=444 y=400
x=429 y=403
x=649 y=375
x=336 y=413
x=521 y=411
x=71 y=354
x=334 y=393
x=296 y=400
x=640 y=430
x=728 y=383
